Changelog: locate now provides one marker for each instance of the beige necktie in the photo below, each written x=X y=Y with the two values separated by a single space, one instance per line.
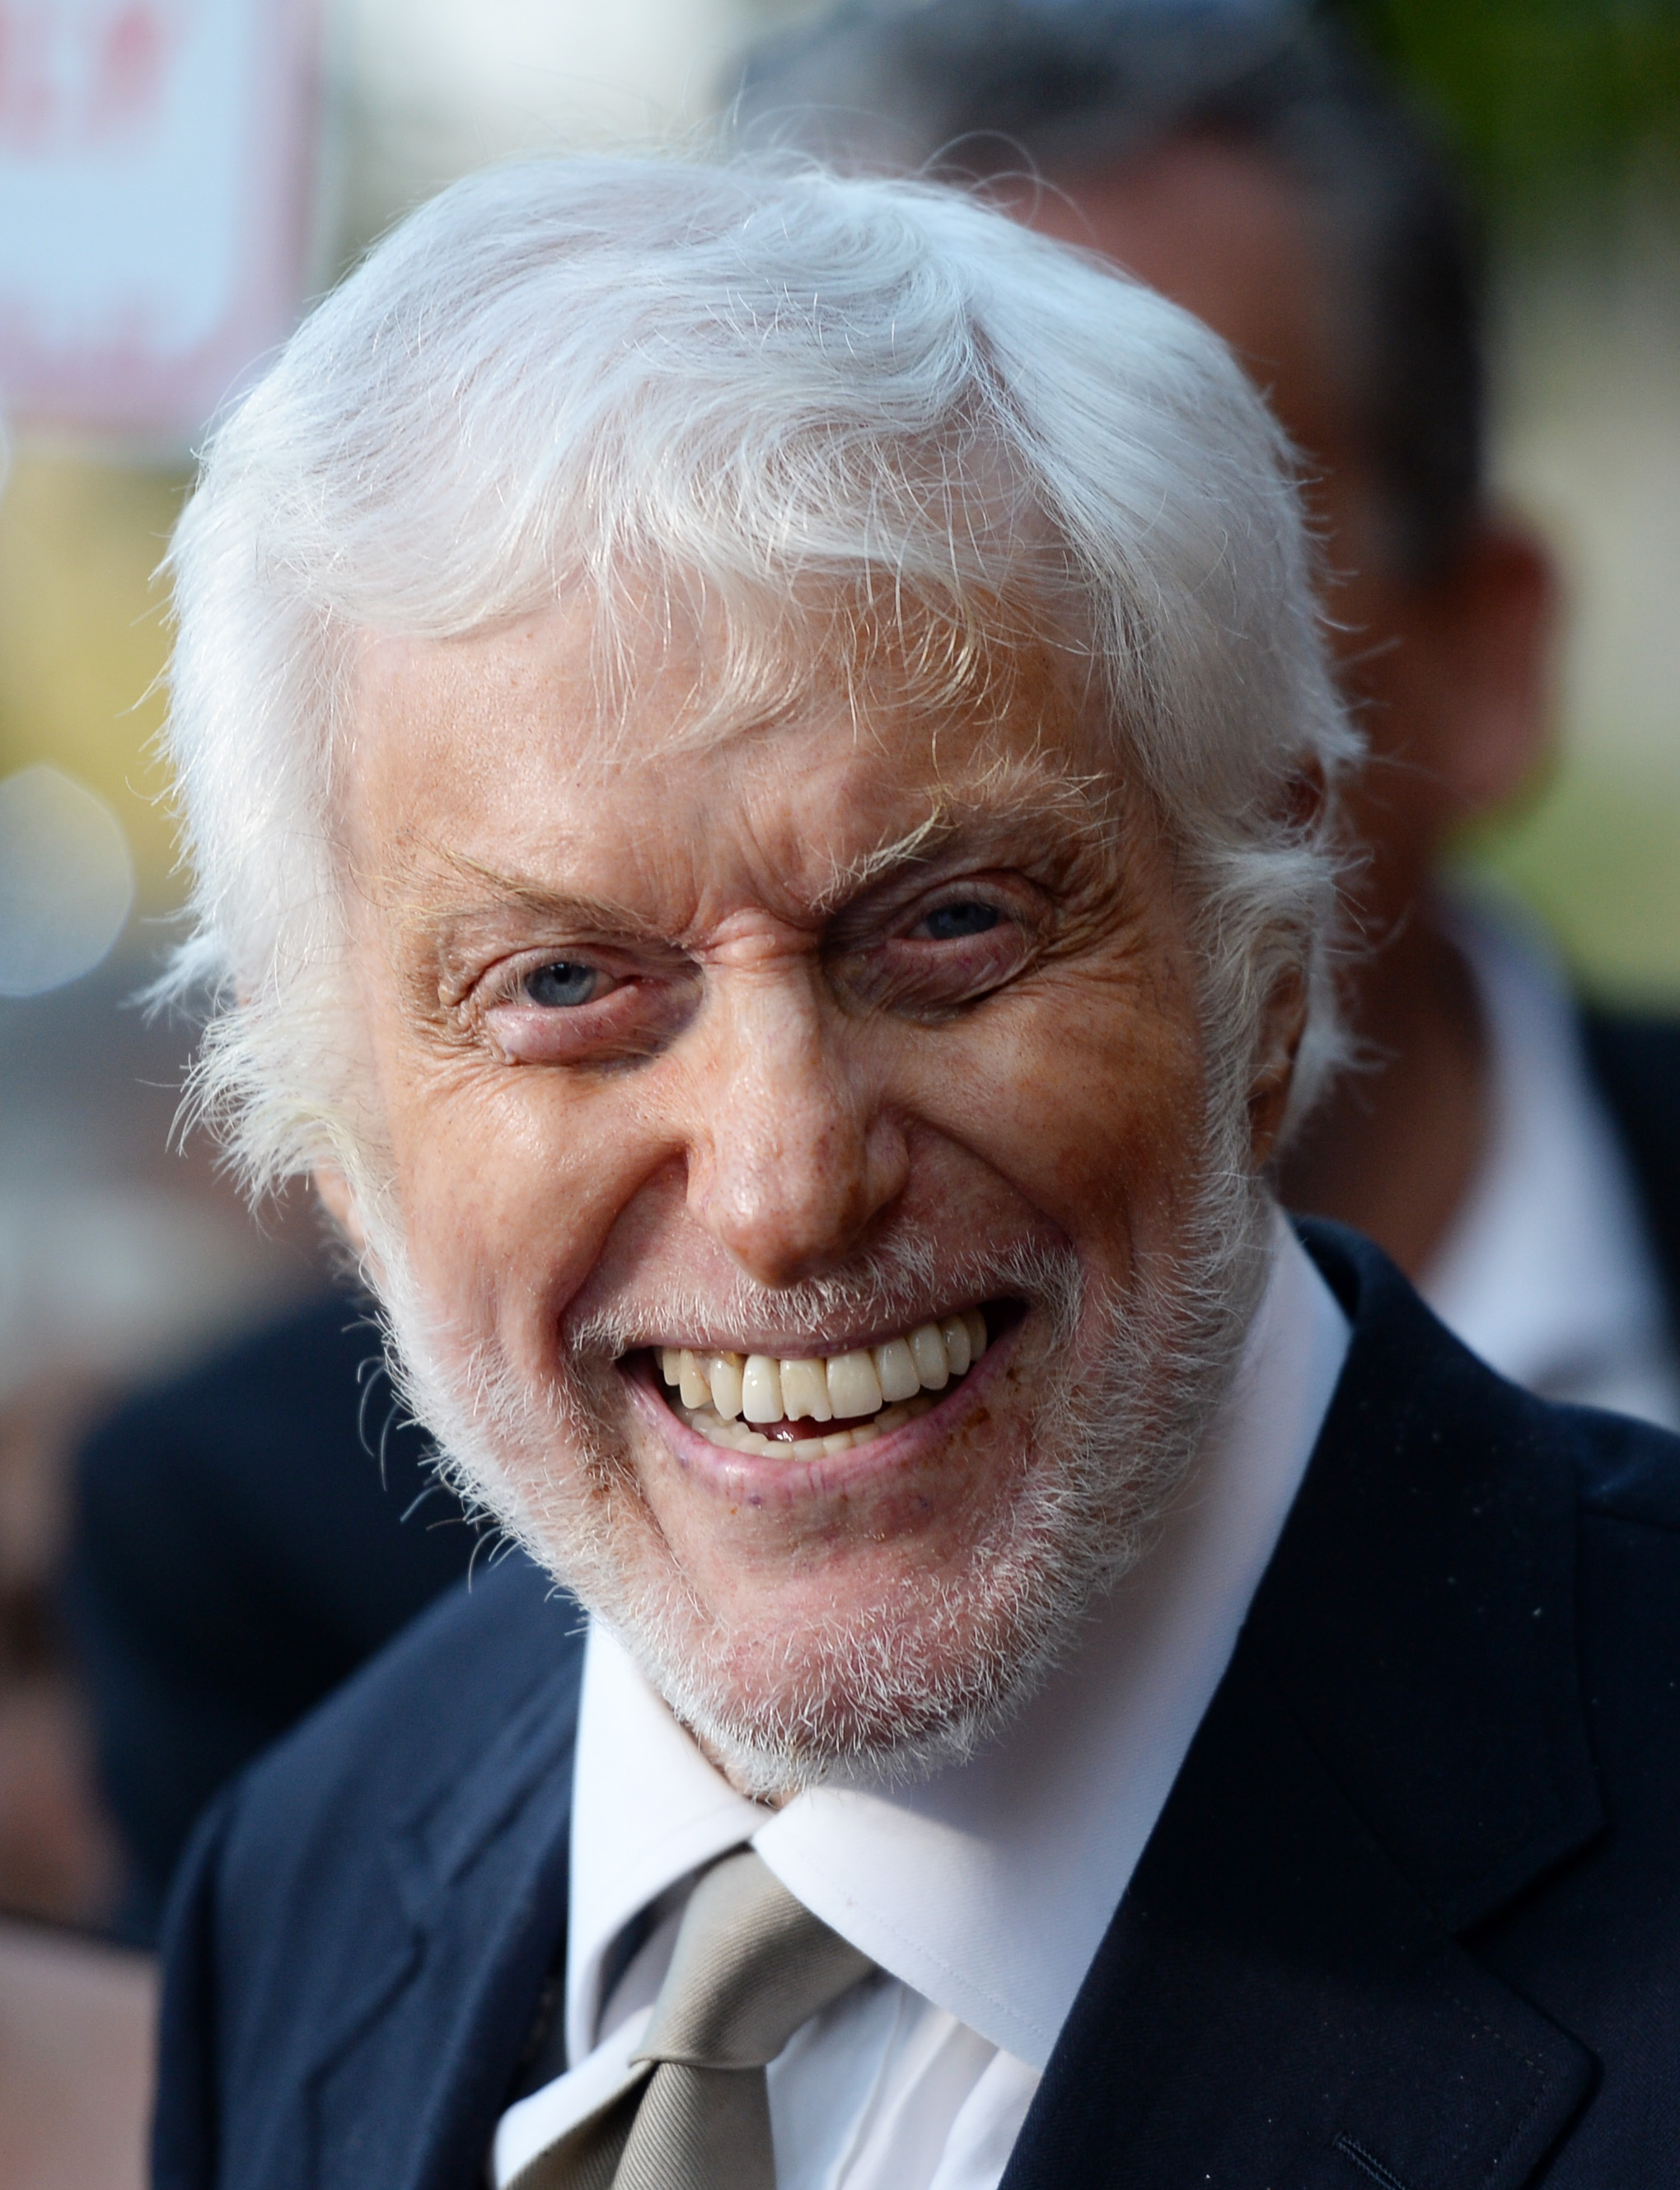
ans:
x=750 y=1965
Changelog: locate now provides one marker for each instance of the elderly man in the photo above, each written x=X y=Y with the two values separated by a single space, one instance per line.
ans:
x=763 y=786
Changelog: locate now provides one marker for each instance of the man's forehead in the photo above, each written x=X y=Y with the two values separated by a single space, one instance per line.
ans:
x=801 y=850
x=654 y=663
x=492 y=757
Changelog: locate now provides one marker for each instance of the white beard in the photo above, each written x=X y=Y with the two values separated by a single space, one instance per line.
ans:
x=1127 y=1383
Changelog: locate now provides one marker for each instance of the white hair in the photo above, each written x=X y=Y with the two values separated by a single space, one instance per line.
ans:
x=761 y=387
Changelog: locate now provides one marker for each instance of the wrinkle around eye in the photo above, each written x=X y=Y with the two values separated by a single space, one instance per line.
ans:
x=929 y=977
x=633 y=1019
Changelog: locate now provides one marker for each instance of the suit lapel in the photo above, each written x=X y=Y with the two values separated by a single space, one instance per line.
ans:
x=1282 y=2001
x=410 y=2082
x=1275 y=2007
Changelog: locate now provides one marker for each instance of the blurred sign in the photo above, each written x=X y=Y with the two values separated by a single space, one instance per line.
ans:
x=154 y=169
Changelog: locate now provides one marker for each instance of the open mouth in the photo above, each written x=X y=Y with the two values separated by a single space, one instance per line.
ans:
x=824 y=1404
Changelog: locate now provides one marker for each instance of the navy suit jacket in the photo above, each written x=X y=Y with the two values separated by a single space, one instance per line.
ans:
x=1410 y=1917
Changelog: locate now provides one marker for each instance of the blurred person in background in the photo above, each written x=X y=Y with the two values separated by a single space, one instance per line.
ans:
x=1516 y=1155
x=247 y=1533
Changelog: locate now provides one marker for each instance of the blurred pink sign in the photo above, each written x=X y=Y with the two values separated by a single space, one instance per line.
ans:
x=155 y=163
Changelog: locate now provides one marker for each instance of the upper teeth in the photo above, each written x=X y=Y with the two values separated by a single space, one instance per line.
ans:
x=763 y=1388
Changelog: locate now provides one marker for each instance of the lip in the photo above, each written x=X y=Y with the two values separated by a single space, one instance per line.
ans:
x=757 y=1478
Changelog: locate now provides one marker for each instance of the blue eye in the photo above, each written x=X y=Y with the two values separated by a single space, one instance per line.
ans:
x=952 y=922
x=562 y=985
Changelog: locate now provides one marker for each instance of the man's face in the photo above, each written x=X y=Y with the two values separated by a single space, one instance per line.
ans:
x=792 y=1045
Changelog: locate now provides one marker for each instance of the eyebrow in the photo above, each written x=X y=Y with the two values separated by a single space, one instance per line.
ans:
x=496 y=891
x=1009 y=799
x=1006 y=800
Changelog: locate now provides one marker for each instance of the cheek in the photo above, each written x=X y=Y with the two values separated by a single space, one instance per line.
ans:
x=1092 y=1105
x=508 y=1190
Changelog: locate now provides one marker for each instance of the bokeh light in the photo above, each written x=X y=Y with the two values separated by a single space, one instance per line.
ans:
x=66 y=880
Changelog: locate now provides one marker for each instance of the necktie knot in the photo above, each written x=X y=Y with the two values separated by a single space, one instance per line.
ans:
x=750 y=1965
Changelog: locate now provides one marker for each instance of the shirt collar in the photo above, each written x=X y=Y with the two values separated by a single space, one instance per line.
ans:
x=1545 y=1273
x=988 y=1887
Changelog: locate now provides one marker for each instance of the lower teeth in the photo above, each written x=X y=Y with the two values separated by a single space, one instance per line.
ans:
x=739 y=1437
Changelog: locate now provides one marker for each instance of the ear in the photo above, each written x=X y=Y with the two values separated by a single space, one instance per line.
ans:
x=1495 y=618
x=338 y=1197
x=1282 y=1024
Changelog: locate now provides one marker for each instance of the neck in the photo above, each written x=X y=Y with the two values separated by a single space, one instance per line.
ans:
x=1395 y=1148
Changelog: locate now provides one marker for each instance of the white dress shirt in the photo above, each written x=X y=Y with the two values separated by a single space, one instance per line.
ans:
x=983 y=1892
x=1546 y=1272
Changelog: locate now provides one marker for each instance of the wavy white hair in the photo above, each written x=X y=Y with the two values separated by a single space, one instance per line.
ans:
x=756 y=389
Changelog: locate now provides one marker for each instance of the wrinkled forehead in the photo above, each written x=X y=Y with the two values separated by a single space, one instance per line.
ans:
x=531 y=748
x=664 y=668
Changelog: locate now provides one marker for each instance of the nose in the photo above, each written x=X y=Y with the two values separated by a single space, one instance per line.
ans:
x=791 y=1153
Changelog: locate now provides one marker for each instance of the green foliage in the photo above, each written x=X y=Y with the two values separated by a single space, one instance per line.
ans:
x=1544 y=99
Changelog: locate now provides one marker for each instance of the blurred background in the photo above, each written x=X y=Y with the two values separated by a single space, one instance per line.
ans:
x=122 y=1257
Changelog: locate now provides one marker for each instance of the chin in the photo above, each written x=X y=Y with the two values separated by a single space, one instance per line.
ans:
x=881 y=1690
x=900 y=1669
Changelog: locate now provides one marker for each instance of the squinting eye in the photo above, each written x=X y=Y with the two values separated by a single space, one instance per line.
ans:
x=950 y=923
x=561 y=984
